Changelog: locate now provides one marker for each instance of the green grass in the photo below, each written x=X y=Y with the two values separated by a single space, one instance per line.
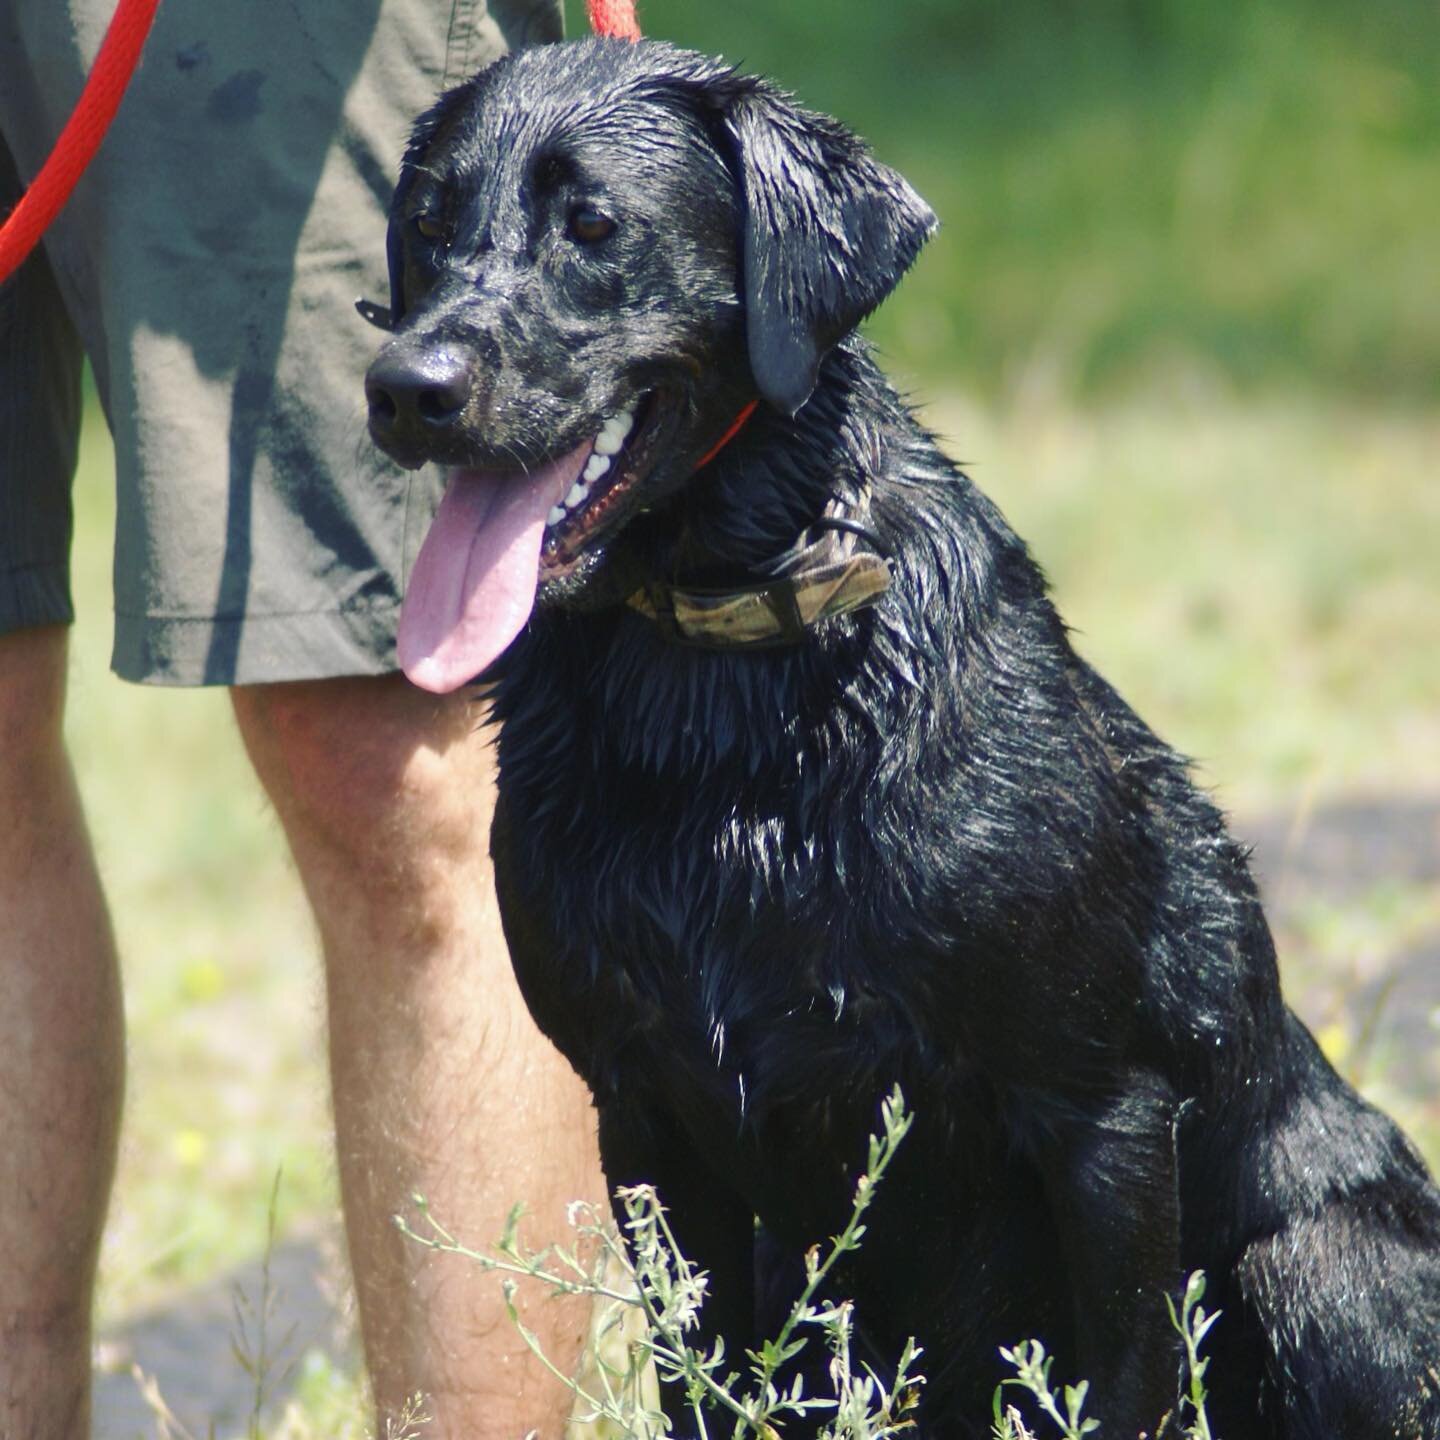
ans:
x=1251 y=190
x=1260 y=580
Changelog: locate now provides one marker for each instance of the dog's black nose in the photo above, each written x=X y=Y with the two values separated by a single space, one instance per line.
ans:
x=415 y=392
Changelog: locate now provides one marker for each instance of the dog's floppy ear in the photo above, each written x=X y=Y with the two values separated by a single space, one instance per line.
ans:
x=828 y=232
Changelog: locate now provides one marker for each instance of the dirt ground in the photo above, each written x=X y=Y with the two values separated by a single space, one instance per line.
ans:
x=187 y=1346
x=1376 y=1002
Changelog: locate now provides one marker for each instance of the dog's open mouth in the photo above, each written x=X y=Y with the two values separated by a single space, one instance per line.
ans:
x=618 y=459
x=498 y=534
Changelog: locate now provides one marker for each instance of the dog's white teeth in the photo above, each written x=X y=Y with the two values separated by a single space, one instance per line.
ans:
x=608 y=442
x=613 y=432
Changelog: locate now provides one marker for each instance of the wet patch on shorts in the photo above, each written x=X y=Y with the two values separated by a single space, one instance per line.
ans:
x=237 y=99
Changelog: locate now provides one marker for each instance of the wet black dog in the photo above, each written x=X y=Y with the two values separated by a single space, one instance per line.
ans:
x=804 y=792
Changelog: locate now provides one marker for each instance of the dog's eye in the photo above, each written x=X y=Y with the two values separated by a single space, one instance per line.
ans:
x=589 y=226
x=432 y=227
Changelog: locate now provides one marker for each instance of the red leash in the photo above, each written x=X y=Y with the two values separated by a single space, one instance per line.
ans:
x=736 y=426
x=614 y=17
x=83 y=132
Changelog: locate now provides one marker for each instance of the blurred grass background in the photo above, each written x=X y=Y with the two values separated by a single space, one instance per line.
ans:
x=1182 y=320
x=1251 y=190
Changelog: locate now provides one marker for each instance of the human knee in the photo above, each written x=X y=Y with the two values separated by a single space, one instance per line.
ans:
x=370 y=767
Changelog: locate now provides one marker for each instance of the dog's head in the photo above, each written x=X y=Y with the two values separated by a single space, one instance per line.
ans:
x=600 y=253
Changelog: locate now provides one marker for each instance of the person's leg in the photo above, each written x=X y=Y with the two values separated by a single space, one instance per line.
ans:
x=442 y=1085
x=61 y=1043
x=61 y=1055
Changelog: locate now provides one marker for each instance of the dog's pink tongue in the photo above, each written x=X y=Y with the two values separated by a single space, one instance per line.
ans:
x=474 y=580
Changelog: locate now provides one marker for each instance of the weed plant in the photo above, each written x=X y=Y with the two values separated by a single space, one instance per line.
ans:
x=740 y=1396
x=650 y=1297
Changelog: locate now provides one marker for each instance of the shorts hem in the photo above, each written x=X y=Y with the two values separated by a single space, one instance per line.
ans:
x=255 y=649
x=35 y=595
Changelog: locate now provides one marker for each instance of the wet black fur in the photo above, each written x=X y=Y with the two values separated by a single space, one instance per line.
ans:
x=748 y=893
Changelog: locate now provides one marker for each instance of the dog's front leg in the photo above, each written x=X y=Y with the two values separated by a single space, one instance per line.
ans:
x=1113 y=1185
x=714 y=1230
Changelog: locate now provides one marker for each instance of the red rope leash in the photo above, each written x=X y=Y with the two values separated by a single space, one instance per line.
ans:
x=614 y=17
x=736 y=426
x=83 y=132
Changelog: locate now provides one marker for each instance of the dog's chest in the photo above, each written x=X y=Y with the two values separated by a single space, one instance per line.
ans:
x=716 y=943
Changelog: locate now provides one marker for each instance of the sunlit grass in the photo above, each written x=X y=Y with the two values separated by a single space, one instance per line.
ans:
x=1260 y=581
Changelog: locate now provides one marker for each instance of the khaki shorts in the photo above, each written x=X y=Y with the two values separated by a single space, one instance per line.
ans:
x=207 y=265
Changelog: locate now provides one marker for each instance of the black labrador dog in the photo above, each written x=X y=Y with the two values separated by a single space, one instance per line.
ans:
x=803 y=791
